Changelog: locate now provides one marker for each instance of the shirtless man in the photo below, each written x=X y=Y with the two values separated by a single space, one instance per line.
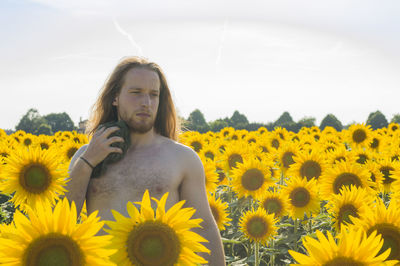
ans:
x=137 y=92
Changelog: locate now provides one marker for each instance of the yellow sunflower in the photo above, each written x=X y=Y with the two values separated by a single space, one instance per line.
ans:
x=354 y=247
x=308 y=165
x=344 y=174
x=44 y=142
x=387 y=222
x=235 y=153
x=286 y=154
x=210 y=151
x=393 y=127
x=362 y=154
x=339 y=154
x=211 y=174
x=376 y=176
x=252 y=178
x=275 y=203
x=35 y=175
x=258 y=226
x=351 y=201
x=219 y=211
x=163 y=238
x=303 y=197
x=359 y=135
x=68 y=149
x=389 y=169
x=54 y=238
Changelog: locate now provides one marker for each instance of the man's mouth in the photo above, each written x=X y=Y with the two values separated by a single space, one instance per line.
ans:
x=143 y=114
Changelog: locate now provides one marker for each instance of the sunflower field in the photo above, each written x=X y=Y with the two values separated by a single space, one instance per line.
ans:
x=316 y=197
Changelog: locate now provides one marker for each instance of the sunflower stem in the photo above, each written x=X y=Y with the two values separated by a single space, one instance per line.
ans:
x=296 y=224
x=273 y=255
x=256 y=254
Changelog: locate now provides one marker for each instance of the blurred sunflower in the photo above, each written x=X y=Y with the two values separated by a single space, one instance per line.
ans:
x=376 y=176
x=351 y=201
x=54 y=238
x=362 y=154
x=286 y=154
x=339 y=154
x=393 y=127
x=44 y=142
x=210 y=151
x=211 y=174
x=258 y=226
x=275 y=203
x=386 y=221
x=68 y=149
x=235 y=153
x=27 y=140
x=219 y=211
x=160 y=238
x=389 y=170
x=354 y=247
x=308 y=165
x=344 y=174
x=359 y=135
x=251 y=178
x=303 y=197
x=35 y=175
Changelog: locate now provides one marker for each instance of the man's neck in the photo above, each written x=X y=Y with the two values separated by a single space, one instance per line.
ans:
x=139 y=140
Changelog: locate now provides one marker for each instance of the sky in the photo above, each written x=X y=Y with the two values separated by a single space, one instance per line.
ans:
x=262 y=58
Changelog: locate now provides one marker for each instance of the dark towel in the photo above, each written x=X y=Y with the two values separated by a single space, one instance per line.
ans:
x=114 y=156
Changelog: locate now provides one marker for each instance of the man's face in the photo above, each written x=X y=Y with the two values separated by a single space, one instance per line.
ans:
x=137 y=102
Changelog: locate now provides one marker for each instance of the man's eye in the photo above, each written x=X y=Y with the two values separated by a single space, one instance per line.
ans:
x=155 y=95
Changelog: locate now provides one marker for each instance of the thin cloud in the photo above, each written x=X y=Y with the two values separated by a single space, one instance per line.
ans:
x=129 y=36
x=221 y=43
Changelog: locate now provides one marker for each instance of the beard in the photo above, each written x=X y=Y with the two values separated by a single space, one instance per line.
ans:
x=140 y=127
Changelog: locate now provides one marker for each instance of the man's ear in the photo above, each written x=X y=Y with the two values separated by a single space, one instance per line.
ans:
x=115 y=102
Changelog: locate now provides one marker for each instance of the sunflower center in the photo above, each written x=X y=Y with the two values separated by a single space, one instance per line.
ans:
x=299 y=197
x=71 y=152
x=264 y=149
x=359 y=135
x=35 y=178
x=339 y=158
x=362 y=158
x=345 y=179
x=343 y=261
x=375 y=143
x=275 y=143
x=196 y=145
x=215 y=213
x=287 y=159
x=346 y=211
x=153 y=243
x=252 y=179
x=77 y=140
x=234 y=159
x=252 y=140
x=44 y=146
x=273 y=205
x=257 y=227
x=391 y=239
x=310 y=169
x=210 y=155
x=27 y=142
x=385 y=170
x=53 y=249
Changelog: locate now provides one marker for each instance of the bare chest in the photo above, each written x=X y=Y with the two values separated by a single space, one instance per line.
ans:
x=128 y=179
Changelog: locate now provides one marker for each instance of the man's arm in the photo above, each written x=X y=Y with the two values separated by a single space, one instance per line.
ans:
x=79 y=175
x=193 y=190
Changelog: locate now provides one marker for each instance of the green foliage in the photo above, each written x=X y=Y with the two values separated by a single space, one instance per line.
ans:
x=32 y=122
x=60 y=122
x=332 y=121
x=218 y=125
x=377 y=120
x=197 y=122
x=6 y=209
x=284 y=119
x=395 y=119
x=238 y=119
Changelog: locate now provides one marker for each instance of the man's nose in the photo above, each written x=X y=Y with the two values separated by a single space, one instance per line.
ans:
x=146 y=100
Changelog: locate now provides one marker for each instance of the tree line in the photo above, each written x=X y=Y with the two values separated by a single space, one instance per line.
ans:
x=32 y=122
x=197 y=122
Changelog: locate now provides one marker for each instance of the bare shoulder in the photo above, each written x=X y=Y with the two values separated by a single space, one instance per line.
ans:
x=188 y=160
x=78 y=153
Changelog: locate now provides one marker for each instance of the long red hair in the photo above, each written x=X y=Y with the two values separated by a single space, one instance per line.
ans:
x=166 y=122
